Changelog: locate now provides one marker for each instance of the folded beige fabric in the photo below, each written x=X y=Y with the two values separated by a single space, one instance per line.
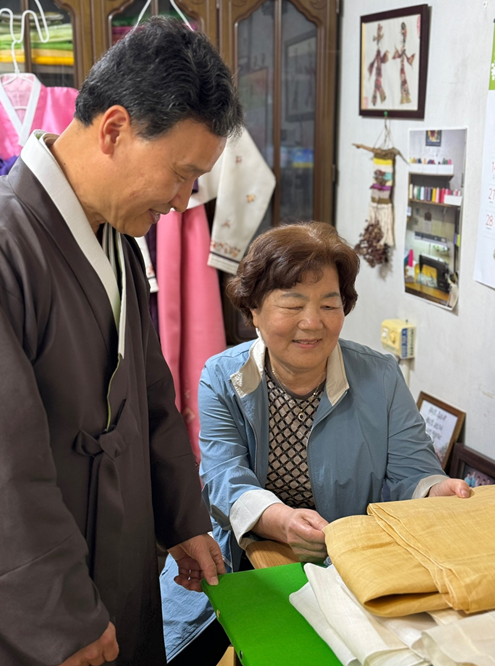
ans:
x=419 y=555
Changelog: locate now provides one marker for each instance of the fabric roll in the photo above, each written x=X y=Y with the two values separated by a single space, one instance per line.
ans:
x=419 y=555
x=372 y=566
x=453 y=538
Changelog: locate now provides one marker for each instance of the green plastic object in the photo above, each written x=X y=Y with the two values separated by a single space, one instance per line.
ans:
x=262 y=625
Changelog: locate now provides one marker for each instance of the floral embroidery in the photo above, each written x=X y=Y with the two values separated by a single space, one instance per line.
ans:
x=250 y=198
x=225 y=249
x=238 y=159
x=226 y=224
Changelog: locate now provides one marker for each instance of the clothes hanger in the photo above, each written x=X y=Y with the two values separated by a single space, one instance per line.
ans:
x=179 y=12
x=17 y=74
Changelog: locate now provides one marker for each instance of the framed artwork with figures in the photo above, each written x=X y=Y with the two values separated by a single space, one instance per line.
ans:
x=443 y=424
x=394 y=60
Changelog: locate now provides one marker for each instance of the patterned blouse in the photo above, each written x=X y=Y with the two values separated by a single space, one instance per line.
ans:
x=291 y=419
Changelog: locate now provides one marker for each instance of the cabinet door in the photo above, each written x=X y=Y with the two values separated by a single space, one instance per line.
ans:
x=283 y=54
x=48 y=54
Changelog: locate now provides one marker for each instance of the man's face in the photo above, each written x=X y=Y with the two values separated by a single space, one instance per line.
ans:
x=150 y=177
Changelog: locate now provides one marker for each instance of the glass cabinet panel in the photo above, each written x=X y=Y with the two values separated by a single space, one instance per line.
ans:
x=255 y=77
x=6 y=64
x=125 y=20
x=48 y=54
x=298 y=109
x=52 y=54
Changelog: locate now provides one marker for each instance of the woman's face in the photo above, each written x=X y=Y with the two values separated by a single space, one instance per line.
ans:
x=301 y=326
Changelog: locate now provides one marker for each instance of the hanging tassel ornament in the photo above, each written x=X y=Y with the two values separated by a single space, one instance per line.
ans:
x=378 y=236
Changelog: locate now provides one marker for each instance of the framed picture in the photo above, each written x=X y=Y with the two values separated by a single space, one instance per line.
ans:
x=300 y=77
x=474 y=468
x=443 y=424
x=394 y=59
x=433 y=138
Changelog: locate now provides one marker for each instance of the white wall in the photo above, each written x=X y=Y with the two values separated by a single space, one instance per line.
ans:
x=455 y=359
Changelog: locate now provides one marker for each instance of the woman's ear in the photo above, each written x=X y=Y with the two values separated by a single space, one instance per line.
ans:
x=254 y=314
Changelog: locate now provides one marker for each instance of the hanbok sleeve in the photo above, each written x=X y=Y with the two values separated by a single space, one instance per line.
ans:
x=178 y=507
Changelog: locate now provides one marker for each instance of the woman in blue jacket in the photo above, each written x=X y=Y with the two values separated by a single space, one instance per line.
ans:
x=298 y=428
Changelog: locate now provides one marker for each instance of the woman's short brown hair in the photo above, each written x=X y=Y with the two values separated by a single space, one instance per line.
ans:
x=282 y=257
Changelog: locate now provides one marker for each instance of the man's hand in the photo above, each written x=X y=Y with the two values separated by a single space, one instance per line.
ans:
x=104 y=649
x=450 y=487
x=199 y=557
x=300 y=528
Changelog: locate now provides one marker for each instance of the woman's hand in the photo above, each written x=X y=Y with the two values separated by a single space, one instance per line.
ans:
x=450 y=487
x=300 y=528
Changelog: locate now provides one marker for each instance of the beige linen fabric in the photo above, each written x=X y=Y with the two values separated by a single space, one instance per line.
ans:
x=419 y=555
x=304 y=601
x=372 y=643
x=468 y=642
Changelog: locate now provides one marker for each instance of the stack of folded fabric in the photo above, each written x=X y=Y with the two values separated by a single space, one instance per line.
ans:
x=409 y=574
x=58 y=50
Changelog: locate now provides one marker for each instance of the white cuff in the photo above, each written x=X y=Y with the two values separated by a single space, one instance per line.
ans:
x=424 y=486
x=247 y=510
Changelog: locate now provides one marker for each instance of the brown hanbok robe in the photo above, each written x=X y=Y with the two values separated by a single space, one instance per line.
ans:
x=95 y=463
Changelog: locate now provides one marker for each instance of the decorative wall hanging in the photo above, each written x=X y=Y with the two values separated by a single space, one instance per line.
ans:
x=394 y=58
x=378 y=235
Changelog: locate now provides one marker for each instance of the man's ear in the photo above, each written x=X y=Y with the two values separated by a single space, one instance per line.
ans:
x=113 y=125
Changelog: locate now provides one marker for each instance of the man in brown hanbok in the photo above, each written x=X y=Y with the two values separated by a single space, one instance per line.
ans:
x=95 y=464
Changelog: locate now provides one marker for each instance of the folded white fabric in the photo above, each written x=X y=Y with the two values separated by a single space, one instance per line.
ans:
x=468 y=642
x=305 y=602
x=409 y=629
x=371 y=641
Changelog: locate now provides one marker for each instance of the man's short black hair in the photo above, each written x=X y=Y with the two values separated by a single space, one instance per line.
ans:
x=162 y=73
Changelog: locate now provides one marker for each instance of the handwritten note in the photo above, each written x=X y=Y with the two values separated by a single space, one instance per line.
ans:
x=440 y=427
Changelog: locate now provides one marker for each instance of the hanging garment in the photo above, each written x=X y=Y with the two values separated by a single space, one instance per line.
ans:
x=419 y=555
x=189 y=307
x=98 y=466
x=6 y=165
x=242 y=183
x=153 y=304
x=50 y=109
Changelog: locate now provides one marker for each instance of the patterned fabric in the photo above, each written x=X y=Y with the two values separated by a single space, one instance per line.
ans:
x=291 y=419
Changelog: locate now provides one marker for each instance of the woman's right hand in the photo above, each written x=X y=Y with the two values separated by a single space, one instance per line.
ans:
x=300 y=528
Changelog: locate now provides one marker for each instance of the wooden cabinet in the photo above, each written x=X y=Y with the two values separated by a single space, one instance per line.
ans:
x=87 y=27
x=283 y=54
